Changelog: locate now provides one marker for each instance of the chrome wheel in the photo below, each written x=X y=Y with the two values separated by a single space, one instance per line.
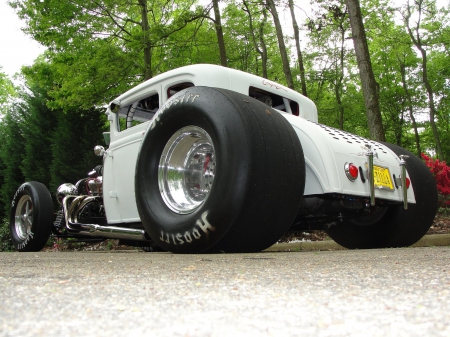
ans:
x=24 y=217
x=186 y=169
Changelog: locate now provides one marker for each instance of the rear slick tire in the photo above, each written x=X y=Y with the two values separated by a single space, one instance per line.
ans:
x=396 y=227
x=218 y=171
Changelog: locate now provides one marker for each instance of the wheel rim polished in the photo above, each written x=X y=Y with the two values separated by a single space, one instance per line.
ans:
x=186 y=169
x=24 y=217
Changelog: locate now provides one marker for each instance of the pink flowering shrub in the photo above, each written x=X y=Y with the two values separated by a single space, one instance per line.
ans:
x=441 y=173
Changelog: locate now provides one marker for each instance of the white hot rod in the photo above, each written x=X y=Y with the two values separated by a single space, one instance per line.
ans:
x=206 y=159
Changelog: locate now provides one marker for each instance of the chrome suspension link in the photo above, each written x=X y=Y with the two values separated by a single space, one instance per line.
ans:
x=369 y=155
x=403 y=180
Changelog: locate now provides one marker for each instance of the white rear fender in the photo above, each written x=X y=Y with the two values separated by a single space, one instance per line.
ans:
x=328 y=150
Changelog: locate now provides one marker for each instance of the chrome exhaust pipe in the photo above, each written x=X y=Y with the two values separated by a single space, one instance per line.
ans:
x=113 y=232
x=110 y=232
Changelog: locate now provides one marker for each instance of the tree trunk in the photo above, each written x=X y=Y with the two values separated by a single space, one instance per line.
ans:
x=281 y=44
x=263 y=43
x=338 y=86
x=431 y=103
x=263 y=50
x=369 y=85
x=418 y=43
x=410 y=109
x=340 y=106
x=219 y=32
x=299 y=51
x=147 y=46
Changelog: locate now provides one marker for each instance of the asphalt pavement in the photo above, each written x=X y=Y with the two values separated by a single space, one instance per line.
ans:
x=380 y=292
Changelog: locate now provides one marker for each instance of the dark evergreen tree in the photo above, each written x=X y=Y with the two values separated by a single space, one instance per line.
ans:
x=38 y=127
x=12 y=149
x=72 y=145
x=2 y=167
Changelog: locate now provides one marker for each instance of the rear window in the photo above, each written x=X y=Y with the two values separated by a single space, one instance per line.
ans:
x=138 y=112
x=178 y=87
x=275 y=101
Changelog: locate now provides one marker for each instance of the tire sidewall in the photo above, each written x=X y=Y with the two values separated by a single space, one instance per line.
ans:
x=417 y=219
x=195 y=232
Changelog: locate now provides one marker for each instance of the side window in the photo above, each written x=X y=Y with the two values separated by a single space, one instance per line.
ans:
x=178 y=87
x=138 y=112
x=275 y=101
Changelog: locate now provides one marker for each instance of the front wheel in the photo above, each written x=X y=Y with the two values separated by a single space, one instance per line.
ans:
x=31 y=217
x=392 y=226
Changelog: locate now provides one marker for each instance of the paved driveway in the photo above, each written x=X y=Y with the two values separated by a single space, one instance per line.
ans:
x=390 y=292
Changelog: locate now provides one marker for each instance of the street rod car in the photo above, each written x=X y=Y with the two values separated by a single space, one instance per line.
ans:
x=206 y=159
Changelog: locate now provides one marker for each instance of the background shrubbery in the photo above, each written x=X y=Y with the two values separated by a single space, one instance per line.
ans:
x=5 y=238
x=441 y=172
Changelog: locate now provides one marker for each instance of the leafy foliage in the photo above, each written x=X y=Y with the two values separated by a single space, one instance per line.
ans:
x=38 y=143
x=7 y=91
x=11 y=154
x=73 y=139
x=6 y=244
x=101 y=48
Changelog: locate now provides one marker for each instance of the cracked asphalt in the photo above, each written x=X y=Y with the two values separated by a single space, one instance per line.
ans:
x=383 y=292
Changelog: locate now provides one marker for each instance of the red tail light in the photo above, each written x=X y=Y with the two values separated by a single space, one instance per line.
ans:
x=351 y=171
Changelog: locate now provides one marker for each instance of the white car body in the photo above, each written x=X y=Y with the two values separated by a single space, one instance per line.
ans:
x=326 y=150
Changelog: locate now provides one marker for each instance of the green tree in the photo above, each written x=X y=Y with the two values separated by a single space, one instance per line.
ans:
x=426 y=20
x=394 y=65
x=328 y=31
x=72 y=144
x=257 y=29
x=44 y=144
x=252 y=41
x=58 y=142
x=7 y=92
x=332 y=73
x=38 y=124
x=369 y=85
x=281 y=43
x=439 y=72
x=219 y=31
x=113 y=45
x=12 y=149
x=300 y=62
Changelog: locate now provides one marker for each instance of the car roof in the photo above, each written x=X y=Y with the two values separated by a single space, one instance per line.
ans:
x=218 y=77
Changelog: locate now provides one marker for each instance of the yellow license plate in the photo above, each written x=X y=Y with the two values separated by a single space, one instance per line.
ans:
x=382 y=177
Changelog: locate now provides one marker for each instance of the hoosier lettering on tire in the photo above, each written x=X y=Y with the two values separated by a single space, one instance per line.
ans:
x=31 y=217
x=218 y=171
